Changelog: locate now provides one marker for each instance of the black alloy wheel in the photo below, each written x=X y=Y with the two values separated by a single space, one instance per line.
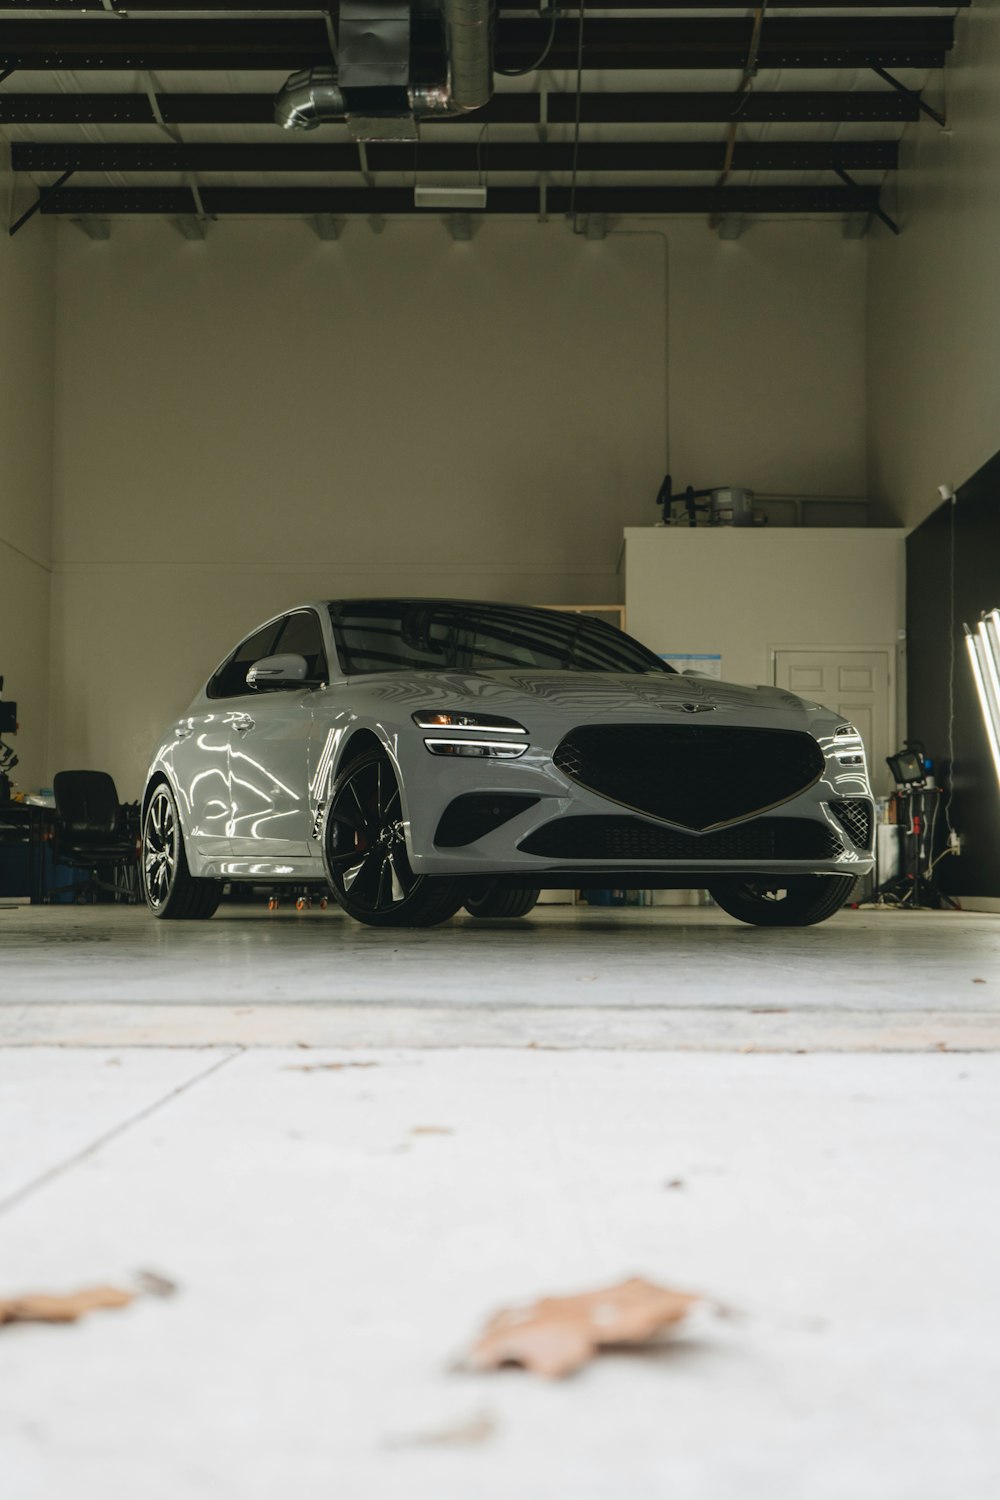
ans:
x=782 y=900
x=486 y=899
x=171 y=891
x=364 y=850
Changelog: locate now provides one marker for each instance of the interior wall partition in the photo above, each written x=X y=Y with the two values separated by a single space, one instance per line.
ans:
x=952 y=576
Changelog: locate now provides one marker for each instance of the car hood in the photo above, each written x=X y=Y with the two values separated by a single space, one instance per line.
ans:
x=581 y=694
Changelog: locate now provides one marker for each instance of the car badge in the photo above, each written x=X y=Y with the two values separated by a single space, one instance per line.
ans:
x=698 y=708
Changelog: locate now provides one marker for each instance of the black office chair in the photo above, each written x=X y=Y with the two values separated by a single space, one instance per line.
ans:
x=92 y=834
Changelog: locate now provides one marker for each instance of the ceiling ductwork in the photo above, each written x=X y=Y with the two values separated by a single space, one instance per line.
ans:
x=372 y=88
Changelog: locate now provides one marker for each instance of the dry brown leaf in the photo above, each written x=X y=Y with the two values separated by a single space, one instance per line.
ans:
x=432 y=1130
x=334 y=1067
x=979 y=981
x=557 y=1335
x=44 y=1307
x=675 y=1182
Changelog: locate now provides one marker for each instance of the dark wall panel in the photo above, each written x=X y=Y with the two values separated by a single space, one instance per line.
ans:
x=969 y=533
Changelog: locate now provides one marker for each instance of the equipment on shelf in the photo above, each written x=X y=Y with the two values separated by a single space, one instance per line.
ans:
x=722 y=506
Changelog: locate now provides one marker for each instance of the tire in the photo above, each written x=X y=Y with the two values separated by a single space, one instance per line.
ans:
x=364 y=850
x=783 y=901
x=170 y=890
x=490 y=900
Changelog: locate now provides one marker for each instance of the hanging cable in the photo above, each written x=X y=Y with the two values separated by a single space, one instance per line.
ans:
x=553 y=15
x=576 y=125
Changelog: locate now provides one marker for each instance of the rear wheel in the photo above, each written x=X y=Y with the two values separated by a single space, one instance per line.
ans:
x=487 y=899
x=364 y=849
x=171 y=891
x=782 y=901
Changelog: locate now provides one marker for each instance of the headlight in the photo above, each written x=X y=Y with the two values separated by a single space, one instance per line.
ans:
x=487 y=749
x=485 y=723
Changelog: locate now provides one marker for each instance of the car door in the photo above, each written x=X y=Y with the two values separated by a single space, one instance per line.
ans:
x=199 y=758
x=270 y=733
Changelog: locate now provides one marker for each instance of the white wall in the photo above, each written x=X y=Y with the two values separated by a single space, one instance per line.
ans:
x=934 y=292
x=262 y=418
x=27 y=287
x=743 y=591
x=767 y=367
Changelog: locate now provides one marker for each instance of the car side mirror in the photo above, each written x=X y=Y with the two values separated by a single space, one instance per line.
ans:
x=287 y=669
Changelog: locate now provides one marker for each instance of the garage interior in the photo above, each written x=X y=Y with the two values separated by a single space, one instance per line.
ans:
x=247 y=364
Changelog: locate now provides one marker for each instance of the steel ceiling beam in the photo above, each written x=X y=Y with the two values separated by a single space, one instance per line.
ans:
x=687 y=107
x=529 y=156
x=507 y=7
x=675 y=43
x=307 y=202
x=756 y=107
x=226 y=109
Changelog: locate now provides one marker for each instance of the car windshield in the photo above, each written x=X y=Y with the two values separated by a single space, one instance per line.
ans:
x=428 y=635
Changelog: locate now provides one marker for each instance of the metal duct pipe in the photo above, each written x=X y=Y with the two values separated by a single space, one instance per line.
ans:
x=468 y=30
x=309 y=98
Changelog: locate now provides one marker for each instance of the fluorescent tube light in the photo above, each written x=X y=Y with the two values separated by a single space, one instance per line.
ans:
x=984 y=667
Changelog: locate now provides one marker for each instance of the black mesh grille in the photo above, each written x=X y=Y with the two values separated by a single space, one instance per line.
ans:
x=475 y=814
x=856 y=817
x=697 y=775
x=632 y=839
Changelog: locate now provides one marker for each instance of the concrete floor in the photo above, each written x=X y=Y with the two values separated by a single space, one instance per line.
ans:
x=803 y=1125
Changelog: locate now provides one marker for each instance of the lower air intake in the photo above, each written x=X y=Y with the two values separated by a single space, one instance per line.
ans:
x=855 y=816
x=476 y=814
x=636 y=841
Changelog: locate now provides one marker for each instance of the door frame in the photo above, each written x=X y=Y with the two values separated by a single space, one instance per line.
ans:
x=895 y=652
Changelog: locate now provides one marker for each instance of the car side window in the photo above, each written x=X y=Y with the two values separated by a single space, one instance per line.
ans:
x=303 y=635
x=230 y=681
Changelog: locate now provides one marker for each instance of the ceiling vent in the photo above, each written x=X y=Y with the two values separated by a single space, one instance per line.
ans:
x=372 y=87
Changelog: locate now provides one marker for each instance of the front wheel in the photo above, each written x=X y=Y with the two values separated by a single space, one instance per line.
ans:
x=364 y=850
x=487 y=899
x=171 y=891
x=782 y=900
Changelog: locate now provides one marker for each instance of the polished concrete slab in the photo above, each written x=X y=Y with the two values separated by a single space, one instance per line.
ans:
x=566 y=976
x=347 y=1148
x=334 y=1257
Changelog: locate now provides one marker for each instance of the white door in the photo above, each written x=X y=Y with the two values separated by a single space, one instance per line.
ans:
x=857 y=684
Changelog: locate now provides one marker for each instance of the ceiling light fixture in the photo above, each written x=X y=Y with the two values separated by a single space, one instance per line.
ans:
x=457 y=199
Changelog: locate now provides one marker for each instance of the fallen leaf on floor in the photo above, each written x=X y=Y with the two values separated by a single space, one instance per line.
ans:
x=432 y=1130
x=155 y=1285
x=334 y=1067
x=44 y=1307
x=675 y=1182
x=557 y=1335
x=979 y=981
x=473 y=1431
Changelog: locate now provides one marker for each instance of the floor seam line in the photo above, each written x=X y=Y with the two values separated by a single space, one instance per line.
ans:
x=51 y=1173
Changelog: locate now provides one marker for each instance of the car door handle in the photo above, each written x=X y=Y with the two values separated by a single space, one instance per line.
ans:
x=242 y=722
x=181 y=731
